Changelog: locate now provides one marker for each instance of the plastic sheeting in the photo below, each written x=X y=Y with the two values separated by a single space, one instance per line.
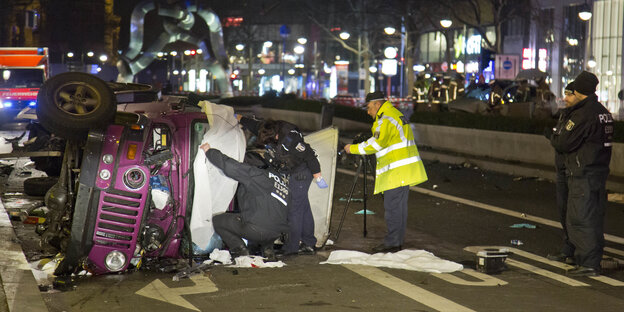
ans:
x=213 y=190
x=407 y=259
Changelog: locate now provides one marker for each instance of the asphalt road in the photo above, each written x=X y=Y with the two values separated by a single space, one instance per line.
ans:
x=481 y=212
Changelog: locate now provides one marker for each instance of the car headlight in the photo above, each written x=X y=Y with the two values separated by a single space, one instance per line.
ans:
x=105 y=174
x=107 y=159
x=115 y=260
x=134 y=178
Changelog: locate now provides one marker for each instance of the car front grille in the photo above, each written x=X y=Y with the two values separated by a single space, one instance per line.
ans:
x=119 y=219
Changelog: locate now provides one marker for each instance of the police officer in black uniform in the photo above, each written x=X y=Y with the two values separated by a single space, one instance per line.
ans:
x=263 y=198
x=582 y=141
x=291 y=155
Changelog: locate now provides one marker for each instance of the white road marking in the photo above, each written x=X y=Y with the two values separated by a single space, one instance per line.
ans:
x=409 y=290
x=516 y=214
x=159 y=291
x=536 y=270
x=485 y=280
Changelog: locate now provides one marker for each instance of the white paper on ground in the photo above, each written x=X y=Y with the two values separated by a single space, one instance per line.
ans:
x=222 y=256
x=213 y=190
x=407 y=259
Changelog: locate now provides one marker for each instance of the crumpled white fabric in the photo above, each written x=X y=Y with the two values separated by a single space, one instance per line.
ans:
x=255 y=262
x=407 y=259
x=213 y=190
x=224 y=257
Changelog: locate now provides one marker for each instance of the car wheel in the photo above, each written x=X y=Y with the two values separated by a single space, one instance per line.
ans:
x=70 y=104
x=39 y=186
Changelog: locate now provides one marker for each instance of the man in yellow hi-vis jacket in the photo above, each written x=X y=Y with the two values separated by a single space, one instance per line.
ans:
x=398 y=165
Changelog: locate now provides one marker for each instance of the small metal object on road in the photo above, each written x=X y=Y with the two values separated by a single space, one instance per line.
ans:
x=491 y=260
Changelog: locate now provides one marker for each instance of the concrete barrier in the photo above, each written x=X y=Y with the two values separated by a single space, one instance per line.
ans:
x=506 y=152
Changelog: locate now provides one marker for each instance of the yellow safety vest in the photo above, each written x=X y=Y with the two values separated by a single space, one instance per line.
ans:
x=398 y=161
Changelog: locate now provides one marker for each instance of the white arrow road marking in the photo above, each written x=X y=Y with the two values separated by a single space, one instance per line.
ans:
x=486 y=280
x=409 y=290
x=516 y=214
x=560 y=265
x=159 y=291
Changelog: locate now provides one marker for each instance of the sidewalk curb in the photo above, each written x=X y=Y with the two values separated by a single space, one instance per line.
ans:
x=18 y=282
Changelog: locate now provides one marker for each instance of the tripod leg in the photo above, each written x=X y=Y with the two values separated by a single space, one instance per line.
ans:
x=344 y=212
x=363 y=163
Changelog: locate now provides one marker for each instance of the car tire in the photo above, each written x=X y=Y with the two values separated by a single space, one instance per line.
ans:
x=70 y=104
x=39 y=186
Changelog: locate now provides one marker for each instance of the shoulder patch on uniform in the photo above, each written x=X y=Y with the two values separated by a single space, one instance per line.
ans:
x=569 y=125
x=300 y=147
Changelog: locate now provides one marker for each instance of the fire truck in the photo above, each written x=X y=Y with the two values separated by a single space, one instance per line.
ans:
x=22 y=72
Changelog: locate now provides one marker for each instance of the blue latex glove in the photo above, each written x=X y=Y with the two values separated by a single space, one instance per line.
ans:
x=320 y=182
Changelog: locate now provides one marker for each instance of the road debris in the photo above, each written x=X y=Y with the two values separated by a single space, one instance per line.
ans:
x=516 y=242
x=523 y=225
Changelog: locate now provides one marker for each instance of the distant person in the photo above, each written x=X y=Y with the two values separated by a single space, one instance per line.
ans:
x=398 y=165
x=582 y=140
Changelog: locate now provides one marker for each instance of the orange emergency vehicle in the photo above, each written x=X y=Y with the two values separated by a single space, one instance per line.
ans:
x=22 y=72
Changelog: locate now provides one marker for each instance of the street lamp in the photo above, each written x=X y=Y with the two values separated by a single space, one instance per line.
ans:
x=240 y=47
x=390 y=52
x=344 y=35
x=302 y=40
x=446 y=23
x=70 y=54
x=591 y=63
x=585 y=12
x=90 y=54
x=389 y=30
x=299 y=49
x=103 y=58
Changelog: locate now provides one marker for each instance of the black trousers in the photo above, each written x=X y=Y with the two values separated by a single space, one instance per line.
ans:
x=232 y=230
x=587 y=200
x=300 y=218
x=562 y=208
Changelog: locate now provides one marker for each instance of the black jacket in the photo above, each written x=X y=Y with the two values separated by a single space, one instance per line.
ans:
x=291 y=153
x=583 y=138
x=262 y=195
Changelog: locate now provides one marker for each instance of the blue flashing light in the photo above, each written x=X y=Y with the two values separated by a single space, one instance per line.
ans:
x=32 y=103
x=7 y=104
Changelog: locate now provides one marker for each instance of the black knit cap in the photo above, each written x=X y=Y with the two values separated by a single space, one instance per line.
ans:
x=377 y=95
x=585 y=83
x=570 y=86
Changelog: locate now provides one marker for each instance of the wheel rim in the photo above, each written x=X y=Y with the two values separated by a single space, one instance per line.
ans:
x=77 y=98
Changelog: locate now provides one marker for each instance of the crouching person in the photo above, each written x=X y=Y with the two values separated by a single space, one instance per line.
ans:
x=263 y=198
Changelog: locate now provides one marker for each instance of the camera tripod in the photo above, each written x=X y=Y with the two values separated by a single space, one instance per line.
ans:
x=362 y=162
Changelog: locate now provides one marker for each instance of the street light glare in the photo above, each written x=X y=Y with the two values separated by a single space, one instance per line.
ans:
x=103 y=58
x=268 y=44
x=90 y=54
x=372 y=69
x=299 y=49
x=240 y=47
x=302 y=40
x=585 y=15
x=390 y=52
x=446 y=23
x=344 y=35
x=261 y=71
x=389 y=30
x=173 y=53
x=70 y=54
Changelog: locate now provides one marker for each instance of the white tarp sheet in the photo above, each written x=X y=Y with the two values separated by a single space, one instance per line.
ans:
x=406 y=259
x=213 y=190
x=325 y=144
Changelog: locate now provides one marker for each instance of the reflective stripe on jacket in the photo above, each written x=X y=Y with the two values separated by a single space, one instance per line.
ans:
x=398 y=161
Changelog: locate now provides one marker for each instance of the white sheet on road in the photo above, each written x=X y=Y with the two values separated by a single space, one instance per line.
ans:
x=214 y=190
x=407 y=259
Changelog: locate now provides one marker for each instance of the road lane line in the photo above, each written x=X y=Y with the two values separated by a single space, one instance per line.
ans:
x=516 y=214
x=409 y=290
x=485 y=280
x=545 y=273
x=557 y=264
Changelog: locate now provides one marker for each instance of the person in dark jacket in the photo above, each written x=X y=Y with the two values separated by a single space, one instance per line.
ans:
x=582 y=140
x=263 y=198
x=291 y=155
